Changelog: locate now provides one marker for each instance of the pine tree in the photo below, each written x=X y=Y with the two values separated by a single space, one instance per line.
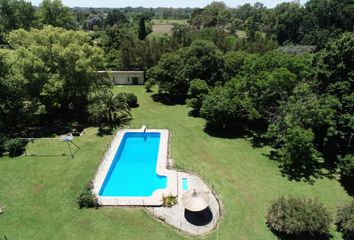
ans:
x=142 y=29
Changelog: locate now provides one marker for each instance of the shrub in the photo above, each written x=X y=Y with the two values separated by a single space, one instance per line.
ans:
x=15 y=147
x=148 y=85
x=132 y=99
x=347 y=166
x=169 y=201
x=107 y=108
x=298 y=217
x=345 y=220
x=87 y=199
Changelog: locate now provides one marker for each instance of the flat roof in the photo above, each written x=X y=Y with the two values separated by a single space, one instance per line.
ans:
x=121 y=71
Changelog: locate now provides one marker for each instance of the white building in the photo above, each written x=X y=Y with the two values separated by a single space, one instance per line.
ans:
x=125 y=77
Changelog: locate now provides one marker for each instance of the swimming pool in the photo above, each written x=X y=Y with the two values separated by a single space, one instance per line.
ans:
x=133 y=170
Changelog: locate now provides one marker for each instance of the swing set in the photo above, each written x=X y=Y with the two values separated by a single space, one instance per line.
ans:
x=51 y=147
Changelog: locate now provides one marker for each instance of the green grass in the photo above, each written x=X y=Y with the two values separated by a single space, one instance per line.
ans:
x=157 y=35
x=40 y=193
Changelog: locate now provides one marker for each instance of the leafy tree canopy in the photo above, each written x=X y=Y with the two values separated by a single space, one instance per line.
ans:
x=53 y=12
x=57 y=67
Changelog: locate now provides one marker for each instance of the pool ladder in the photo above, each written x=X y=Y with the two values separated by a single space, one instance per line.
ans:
x=143 y=128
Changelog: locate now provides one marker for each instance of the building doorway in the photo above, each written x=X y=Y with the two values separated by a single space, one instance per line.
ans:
x=135 y=80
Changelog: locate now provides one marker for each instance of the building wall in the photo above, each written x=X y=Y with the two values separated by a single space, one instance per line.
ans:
x=126 y=78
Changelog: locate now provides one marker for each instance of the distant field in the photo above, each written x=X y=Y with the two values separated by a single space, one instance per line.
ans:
x=157 y=34
x=162 y=28
x=170 y=21
x=166 y=25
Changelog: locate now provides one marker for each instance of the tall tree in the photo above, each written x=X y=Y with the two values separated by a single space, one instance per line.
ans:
x=94 y=22
x=12 y=99
x=58 y=67
x=175 y=70
x=289 y=22
x=15 y=14
x=142 y=30
x=336 y=78
x=116 y=17
x=53 y=12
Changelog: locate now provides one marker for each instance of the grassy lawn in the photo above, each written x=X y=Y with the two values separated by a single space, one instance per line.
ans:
x=39 y=193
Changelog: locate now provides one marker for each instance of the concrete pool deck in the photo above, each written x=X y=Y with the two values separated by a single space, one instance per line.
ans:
x=156 y=199
x=176 y=216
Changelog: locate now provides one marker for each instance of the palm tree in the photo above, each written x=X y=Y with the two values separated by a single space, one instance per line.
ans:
x=108 y=108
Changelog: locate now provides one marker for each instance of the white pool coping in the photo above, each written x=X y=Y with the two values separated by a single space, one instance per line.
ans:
x=161 y=169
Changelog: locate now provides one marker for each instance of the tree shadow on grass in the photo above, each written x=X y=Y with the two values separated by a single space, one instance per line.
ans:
x=194 y=113
x=229 y=133
x=252 y=130
x=348 y=185
x=105 y=130
x=167 y=99
x=283 y=236
x=301 y=172
x=57 y=123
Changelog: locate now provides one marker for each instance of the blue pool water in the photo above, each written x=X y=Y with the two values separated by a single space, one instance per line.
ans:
x=184 y=183
x=133 y=170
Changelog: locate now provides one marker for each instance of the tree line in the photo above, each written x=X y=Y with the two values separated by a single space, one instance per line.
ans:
x=300 y=104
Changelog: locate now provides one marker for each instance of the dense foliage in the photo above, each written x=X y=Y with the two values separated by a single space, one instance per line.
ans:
x=176 y=70
x=131 y=99
x=298 y=217
x=107 y=108
x=15 y=147
x=15 y=14
x=304 y=102
x=259 y=85
x=11 y=97
x=347 y=166
x=312 y=24
x=56 y=68
x=53 y=79
x=345 y=220
x=53 y=12
x=198 y=89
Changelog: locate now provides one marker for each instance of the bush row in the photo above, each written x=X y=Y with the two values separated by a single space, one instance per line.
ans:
x=302 y=218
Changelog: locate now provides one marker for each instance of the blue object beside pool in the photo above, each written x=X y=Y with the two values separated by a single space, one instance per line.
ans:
x=184 y=183
x=133 y=170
